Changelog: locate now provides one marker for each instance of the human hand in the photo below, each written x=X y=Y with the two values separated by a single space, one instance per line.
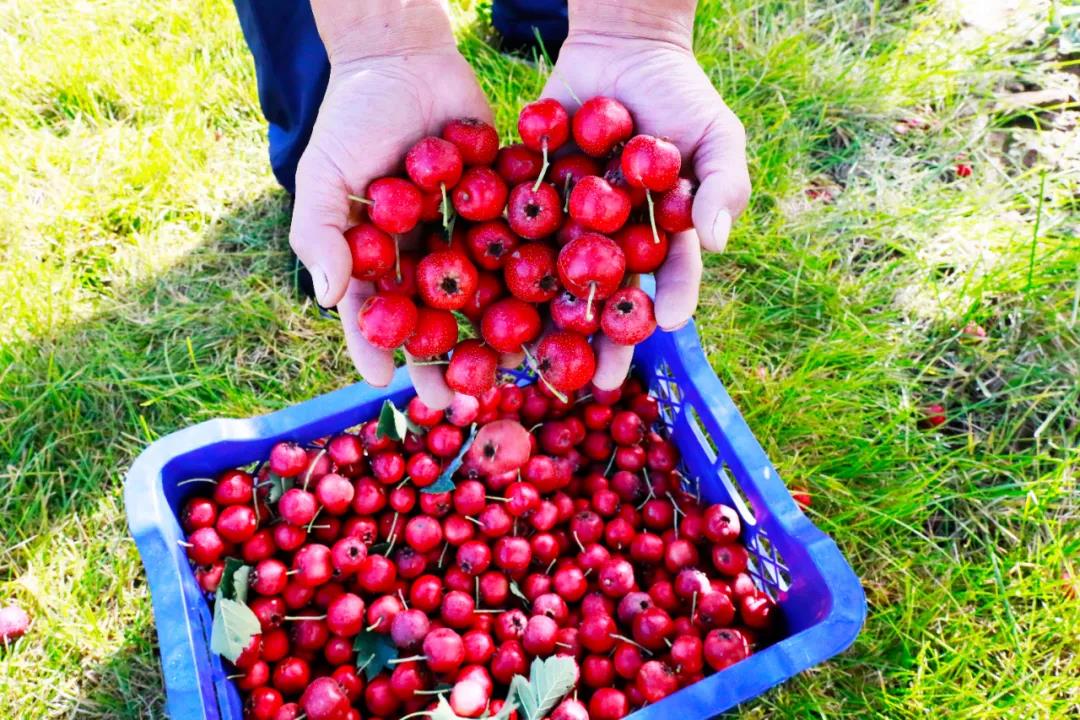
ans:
x=645 y=61
x=383 y=95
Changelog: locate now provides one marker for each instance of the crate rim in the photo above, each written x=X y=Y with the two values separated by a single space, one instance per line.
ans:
x=147 y=512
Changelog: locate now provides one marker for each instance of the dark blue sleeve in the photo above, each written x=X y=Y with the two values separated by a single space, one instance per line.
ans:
x=291 y=66
x=291 y=70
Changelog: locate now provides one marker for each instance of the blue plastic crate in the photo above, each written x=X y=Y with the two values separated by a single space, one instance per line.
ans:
x=798 y=565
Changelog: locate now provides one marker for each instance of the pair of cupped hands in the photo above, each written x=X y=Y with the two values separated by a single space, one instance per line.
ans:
x=375 y=108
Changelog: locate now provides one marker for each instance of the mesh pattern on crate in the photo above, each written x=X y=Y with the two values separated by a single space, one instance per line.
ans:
x=764 y=563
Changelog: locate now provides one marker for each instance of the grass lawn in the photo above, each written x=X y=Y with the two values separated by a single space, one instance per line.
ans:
x=143 y=281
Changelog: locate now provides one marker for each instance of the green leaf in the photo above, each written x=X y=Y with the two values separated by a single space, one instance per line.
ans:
x=379 y=548
x=277 y=486
x=445 y=483
x=234 y=581
x=373 y=651
x=234 y=626
x=393 y=423
x=515 y=590
x=549 y=681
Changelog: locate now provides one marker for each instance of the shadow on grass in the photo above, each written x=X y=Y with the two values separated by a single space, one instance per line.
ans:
x=222 y=333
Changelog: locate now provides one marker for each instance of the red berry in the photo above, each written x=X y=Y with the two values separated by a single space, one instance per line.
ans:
x=372 y=251
x=287 y=459
x=479 y=195
x=644 y=254
x=600 y=124
x=757 y=611
x=472 y=368
x=387 y=321
x=409 y=628
x=530 y=273
x=446 y=279
x=729 y=560
x=534 y=214
x=591 y=266
x=569 y=169
x=628 y=317
x=565 y=360
x=517 y=164
x=345 y=615
x=395 y=205
x=725 y=647
x=237 y=523
x=598 y=205
x=935 y=415
x=477 y=141
x=540 y=636
x=608 y=704
x=509 y=323
x=544 y=125
x=569 y=312
x=436 y=333
x=651 y=163
x=722 y=524
x=400 y=280
x=433 y=163
x=324 y=700
x=651 y=627
x=423 y=533
x=444 y=650
x=673 y=211
x=14 y=622
x=264 y=703
x=490 y=243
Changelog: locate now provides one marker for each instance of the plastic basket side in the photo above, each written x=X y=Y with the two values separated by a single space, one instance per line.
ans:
x=797 y=564
x=195 y=679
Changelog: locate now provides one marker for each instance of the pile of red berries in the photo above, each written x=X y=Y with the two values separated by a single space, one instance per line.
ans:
x=440 y=552
x=511 y=238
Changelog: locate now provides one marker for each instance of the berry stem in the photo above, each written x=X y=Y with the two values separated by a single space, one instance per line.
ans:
x=311 y=468
x=566 y=194
x=295 y=618
x=638 y=645
x=544 y=166
x=184 y=543
x=397 y=260
x=423 y=363
x=195 y=480
x=652 y=218
x=373 y=626
x=589 y=302
x=536 y=368
x=411 y=658
x=442 y=555
x=357 y=198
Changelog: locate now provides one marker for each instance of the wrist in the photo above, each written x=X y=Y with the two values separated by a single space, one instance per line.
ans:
x=356 y=31
x=670 y=23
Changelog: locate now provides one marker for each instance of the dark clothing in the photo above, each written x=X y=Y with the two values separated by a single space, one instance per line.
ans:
x=292 y=70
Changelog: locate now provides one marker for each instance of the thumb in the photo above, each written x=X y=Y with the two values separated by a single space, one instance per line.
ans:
x=317 y=235
x=720 y=163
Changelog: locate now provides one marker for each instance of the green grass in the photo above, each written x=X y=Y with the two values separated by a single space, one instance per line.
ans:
x=143 y=280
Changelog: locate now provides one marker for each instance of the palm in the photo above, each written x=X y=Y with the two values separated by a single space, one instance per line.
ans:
x=671 y=97
x=371 y=115
x=662 y=86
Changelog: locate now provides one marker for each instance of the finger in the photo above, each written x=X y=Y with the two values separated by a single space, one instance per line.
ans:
x=720 y=164
x=612 y=362
x=678 y=281
x=320 y=217
x=430 y=384
x=374 y=365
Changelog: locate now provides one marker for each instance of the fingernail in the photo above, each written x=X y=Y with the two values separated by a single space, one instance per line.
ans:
x=321 y=284
x=721 y=228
